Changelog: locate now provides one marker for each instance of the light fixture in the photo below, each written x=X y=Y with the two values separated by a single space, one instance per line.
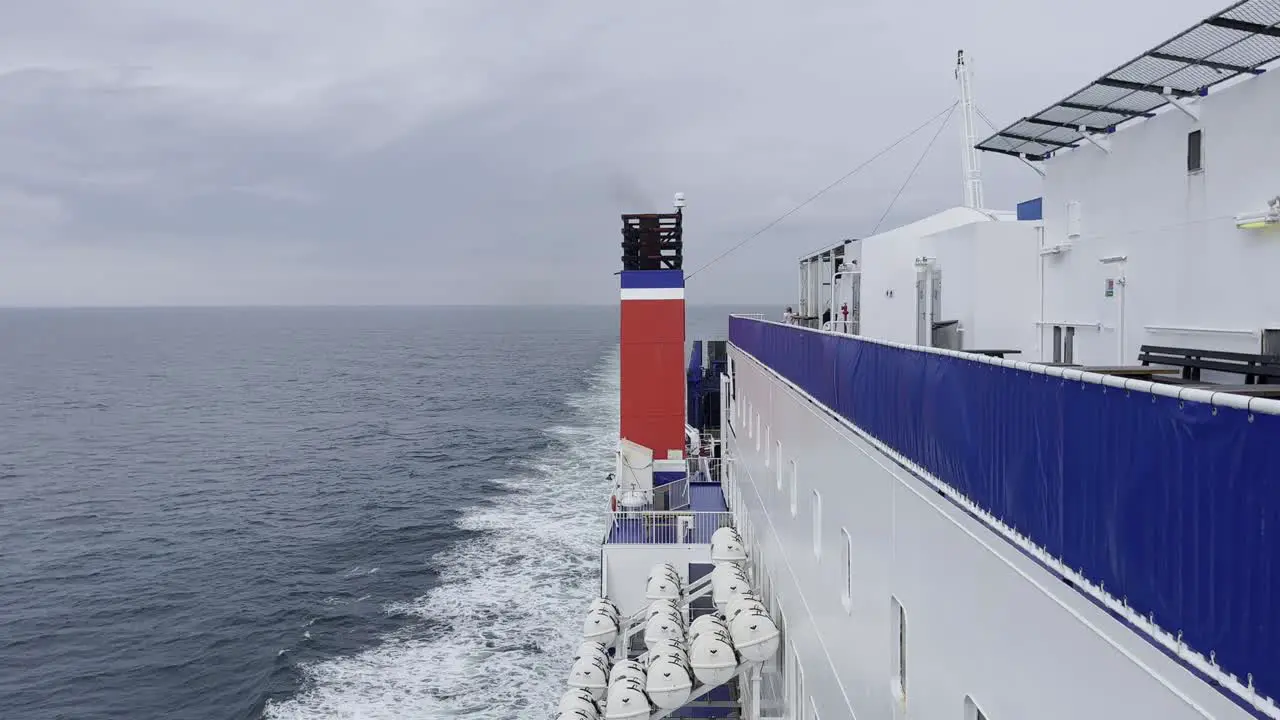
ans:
x=1257 y=220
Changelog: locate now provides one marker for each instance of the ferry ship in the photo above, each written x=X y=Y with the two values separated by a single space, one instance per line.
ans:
x=996 y=465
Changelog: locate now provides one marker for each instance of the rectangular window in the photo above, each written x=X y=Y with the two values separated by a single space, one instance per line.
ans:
x=817 y=524
x=1195 y=151
x=778 y=472
x=899 y=619
x=757 y=431
x=846 y=593
x=768 y=449
x=795 y=481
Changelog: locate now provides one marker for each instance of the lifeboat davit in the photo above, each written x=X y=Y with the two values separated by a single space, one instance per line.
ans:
x=754 y=635
x=627 y=700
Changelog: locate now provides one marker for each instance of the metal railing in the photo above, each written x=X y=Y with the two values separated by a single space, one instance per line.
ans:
x=706 y=469
x=848 y=327
x=665 y=527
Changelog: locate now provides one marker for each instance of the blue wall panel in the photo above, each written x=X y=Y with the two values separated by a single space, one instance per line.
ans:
x=1173 y=506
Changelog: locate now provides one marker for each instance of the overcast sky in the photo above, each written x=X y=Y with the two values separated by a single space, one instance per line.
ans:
x=173 y=152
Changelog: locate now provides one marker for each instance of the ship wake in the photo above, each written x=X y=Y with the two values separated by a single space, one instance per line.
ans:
x=497 y=632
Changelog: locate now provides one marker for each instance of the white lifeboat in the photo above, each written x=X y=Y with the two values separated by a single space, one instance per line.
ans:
x=591 y=648
x=725 y=533
x=706 y=623
x=668 y=682
x=668 y=607
x=606 y=604
x=727 y=546
x=626 y=670
x=712 y=657
x=754 y=635
x=590 y=673
x=741 y=602
x=662 y=626
x=667 y=648
x=579 y=700
x=627 y=700
x=727 y=580
x=664 y=583
x=578 y=714
x=600 y=625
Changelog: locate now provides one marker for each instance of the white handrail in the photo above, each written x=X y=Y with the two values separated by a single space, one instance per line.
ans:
x=1265 y=406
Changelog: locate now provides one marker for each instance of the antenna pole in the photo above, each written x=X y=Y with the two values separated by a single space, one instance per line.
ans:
x=972 y=172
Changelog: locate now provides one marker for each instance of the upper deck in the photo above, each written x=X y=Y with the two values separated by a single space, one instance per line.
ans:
x=1155 y=501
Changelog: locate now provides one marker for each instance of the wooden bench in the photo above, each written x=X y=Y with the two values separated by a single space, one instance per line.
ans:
x=1256 y=369
x=1141 y=372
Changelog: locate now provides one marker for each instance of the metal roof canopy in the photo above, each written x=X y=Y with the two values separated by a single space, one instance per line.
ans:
x=1237 y=41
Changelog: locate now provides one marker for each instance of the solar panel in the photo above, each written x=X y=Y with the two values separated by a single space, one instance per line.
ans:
x=1240 y=40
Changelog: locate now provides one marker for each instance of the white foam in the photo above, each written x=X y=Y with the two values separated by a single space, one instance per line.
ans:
x=512 y=599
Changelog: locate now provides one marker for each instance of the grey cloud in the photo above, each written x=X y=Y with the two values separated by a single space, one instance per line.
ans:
x=154 y=152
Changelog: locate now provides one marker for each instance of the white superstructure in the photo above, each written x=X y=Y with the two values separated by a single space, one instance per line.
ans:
x=1000 y=464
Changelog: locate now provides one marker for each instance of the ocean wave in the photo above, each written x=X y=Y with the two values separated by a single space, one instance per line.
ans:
x=494 y=638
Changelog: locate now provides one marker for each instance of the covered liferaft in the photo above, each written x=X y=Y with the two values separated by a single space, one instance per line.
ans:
x=727 y=580
x=627 y=700
x=601 y=624
x=664 y=583
x=711 y=654
x=590 y=671
x=661 y=626
x=626 y=670
x=740 y=602
x=669 y=607
x=579 y=701
x=668 y=680
x=577 y=714
x=754 y=634
x=727 y=546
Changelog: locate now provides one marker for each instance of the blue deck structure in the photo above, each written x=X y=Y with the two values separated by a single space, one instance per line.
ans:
x=1168 y=503
x=707 y=513
x=707 y=497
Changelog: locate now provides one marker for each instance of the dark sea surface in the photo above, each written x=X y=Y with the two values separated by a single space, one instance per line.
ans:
x=301 y=513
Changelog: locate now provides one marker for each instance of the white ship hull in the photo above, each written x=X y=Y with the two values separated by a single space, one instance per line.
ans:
x=986 y=624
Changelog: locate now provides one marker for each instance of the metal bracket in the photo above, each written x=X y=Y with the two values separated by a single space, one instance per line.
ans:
x=1027 y=162
x=1191 y=111
x=1101 y=143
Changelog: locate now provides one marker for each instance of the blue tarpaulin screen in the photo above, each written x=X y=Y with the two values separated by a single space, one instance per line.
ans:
x=1173 y=506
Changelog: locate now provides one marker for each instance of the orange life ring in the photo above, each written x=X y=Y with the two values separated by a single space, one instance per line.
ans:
x=613 y=503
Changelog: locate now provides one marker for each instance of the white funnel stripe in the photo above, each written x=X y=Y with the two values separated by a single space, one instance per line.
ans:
x=653 y=293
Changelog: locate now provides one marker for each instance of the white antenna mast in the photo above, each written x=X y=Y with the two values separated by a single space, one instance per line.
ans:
x=972 y=172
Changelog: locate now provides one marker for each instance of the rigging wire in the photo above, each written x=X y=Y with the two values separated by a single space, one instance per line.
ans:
x=915 y=167
x=945 y=111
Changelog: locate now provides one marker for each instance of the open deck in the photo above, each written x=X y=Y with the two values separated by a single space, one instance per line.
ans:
x=707 y=512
